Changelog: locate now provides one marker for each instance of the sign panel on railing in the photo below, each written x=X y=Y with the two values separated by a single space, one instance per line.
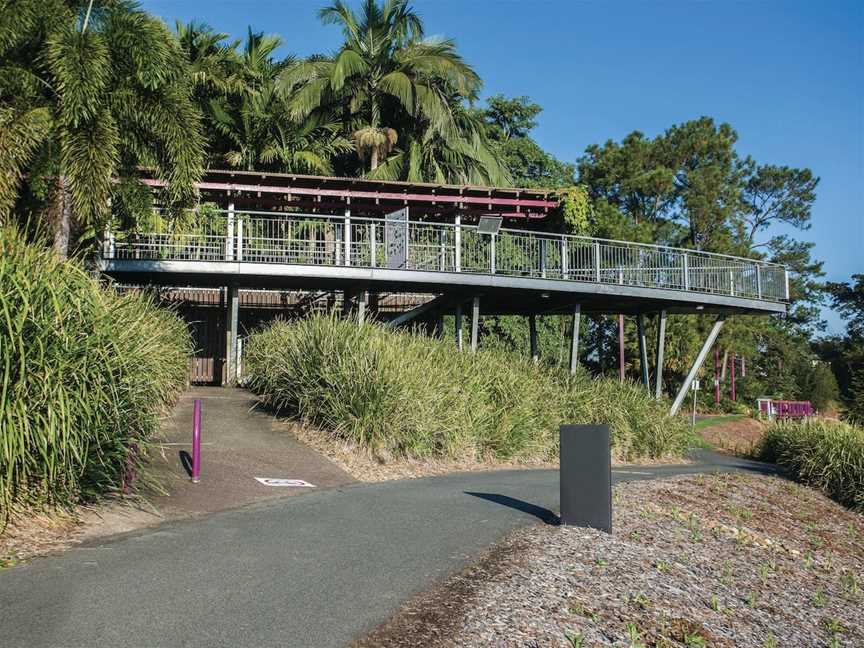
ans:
x=396 y=239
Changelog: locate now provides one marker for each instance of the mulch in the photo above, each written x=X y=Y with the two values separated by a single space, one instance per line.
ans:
x=728 y=560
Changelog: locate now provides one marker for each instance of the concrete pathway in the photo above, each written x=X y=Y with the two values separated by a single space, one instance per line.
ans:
x=239 y=442
x=314 y=571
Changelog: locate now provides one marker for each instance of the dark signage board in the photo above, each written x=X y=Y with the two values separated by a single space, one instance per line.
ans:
x=586 y=476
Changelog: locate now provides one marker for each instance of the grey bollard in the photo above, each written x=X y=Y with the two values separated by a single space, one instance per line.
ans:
x=586 y=476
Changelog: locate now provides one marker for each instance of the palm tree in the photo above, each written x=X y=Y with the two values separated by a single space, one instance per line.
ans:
x=92 y=90
x=460 y=155
x=384 y=74
x=255 y=128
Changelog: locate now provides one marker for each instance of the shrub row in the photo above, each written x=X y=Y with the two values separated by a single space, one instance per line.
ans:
x=86 y=375
x=400 y=394
x=828 y=455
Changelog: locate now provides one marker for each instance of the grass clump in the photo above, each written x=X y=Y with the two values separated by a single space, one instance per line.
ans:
x=86 y=375
x=828 y=455
x=405 y=395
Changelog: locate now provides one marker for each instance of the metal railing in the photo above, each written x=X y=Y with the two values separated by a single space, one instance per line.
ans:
x=313 y=239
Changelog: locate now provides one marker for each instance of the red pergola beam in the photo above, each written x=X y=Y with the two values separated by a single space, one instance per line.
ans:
x=380 y=195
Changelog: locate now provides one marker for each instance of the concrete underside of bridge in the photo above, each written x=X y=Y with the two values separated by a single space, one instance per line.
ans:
x=500 y=294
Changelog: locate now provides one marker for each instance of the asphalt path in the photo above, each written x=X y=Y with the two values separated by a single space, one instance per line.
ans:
x=313 y=571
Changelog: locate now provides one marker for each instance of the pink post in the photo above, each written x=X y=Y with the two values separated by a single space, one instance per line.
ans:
x=732 y=377
x=196 y=442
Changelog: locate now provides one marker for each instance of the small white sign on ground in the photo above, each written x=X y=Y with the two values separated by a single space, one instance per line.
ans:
x=273 y=481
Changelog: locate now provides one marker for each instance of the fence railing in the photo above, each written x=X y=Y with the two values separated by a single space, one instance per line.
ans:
x=265 y=237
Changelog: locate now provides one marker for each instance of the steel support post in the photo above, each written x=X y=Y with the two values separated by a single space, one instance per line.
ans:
x=658 y=358
x=532 y=336
x=697 y=364
x=643 y=349
x=574 y=338
x=458 y=327
x=362 y=301
x=232 y=316
x=475 y=323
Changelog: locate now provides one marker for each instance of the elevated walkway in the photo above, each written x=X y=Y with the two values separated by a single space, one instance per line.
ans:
x=515 y=271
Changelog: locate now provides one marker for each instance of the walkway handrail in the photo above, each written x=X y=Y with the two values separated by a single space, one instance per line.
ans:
x=398 y=243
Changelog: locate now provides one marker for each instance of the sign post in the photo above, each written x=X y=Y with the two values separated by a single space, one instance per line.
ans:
x=586 y=476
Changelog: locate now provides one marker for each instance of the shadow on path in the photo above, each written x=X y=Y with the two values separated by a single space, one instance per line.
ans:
x=543 y=514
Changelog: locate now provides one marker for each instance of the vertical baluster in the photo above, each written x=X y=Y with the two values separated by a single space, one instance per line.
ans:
x=564 y=260
x=597 y=262
x=458 y=242
x=543 y=257
x=239 y=252
x=347 y=233
x=758 y=281
x=229 y=238
x=441 y=248
x=686 y=272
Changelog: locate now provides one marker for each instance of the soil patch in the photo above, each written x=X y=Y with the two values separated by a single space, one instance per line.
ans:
x=736 y=435
x=728 y=560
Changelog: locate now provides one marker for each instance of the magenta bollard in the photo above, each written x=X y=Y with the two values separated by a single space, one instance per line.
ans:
x=196 y=442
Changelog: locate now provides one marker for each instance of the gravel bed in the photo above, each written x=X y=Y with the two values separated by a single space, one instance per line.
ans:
x=730 y=560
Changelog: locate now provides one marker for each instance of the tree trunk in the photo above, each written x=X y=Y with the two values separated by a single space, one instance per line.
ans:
x=373 y=158
x=60 y=216
x=723 y=365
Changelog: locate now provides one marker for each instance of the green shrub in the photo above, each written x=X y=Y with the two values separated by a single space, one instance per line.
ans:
x=828 y=455
x=400 y=394
x=86 y=375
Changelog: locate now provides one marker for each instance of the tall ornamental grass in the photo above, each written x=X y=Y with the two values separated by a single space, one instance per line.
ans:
x=828 y=455
x=86 y=375
x=404 y=395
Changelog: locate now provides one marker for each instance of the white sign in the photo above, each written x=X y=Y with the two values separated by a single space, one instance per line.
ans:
x=694 y=385
x=274 y=481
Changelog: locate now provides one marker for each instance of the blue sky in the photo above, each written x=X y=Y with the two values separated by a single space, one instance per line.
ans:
x=788 y=76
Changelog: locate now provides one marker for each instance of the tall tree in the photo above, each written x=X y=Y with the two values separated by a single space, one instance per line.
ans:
x=775 y=194
x=846 y=353
x=509 y=123
x=384 y=75
x=108 y=88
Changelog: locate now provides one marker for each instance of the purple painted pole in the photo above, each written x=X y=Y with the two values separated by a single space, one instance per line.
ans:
x=732 y=374
x=196 y=442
